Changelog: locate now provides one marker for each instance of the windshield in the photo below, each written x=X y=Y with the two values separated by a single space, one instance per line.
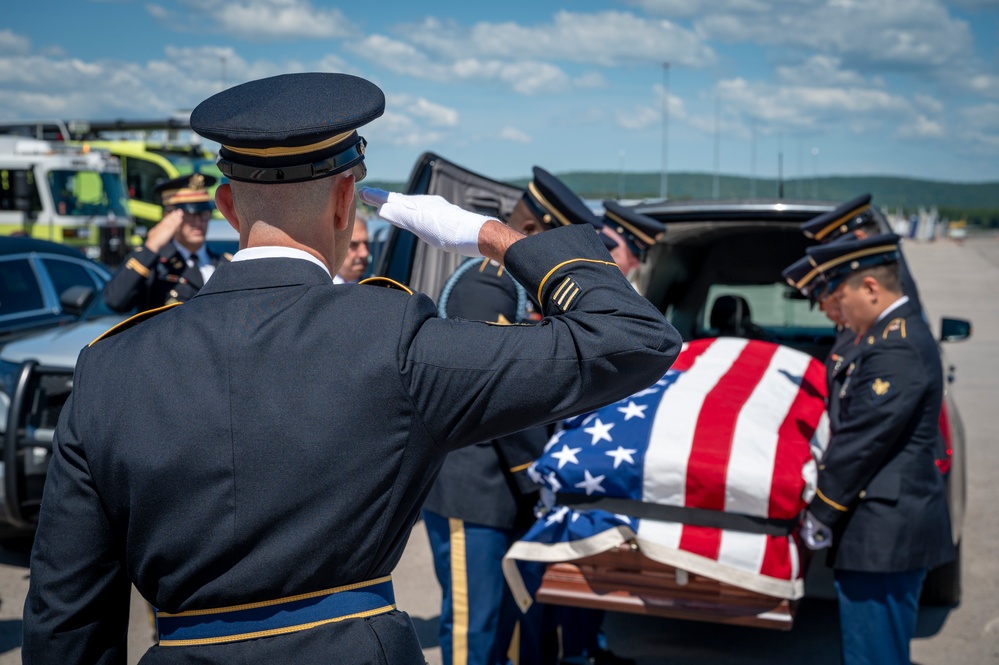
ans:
x=88 y=193
x=771 y=306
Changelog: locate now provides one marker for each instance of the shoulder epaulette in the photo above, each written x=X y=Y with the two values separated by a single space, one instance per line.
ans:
x=386 y=283
x=133 y=321
x=227 y=256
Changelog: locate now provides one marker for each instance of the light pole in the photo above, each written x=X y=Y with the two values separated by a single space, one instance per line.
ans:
x=714 y=182
x=664 y=182
x=815 y=173
x=620 y=179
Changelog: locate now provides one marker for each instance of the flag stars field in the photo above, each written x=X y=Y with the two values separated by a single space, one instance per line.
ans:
x=633 y=410
x=600 y=432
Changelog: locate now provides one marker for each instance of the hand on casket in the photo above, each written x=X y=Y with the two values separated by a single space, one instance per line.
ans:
x=817 y=536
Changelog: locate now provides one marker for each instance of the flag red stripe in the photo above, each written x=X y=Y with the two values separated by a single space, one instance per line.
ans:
x=793 y=436
x=777 y=558
x=701 y=540
x=707 y=465
x=691 y=352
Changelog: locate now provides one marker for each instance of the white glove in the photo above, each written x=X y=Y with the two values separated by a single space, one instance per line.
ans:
x=817 y=536
x=434 y=220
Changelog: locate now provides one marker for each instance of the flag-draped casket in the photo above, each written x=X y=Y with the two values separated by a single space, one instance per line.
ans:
x=706 y=471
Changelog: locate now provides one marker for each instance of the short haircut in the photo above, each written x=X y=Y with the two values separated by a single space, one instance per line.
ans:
x=288 y=203
x=885 y=274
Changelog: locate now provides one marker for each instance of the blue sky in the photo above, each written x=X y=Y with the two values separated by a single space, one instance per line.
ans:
x=844 y=87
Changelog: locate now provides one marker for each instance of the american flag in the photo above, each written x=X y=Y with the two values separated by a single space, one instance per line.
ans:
x=734 y=426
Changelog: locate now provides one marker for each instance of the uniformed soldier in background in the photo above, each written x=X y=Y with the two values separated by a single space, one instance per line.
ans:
x=634 y=233
x=261 y=497
x=174 y=262
x=858 y=219
x=483 y=499
x=880 y=502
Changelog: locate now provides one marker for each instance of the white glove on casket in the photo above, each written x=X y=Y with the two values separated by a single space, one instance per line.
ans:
x=815 y=534
x=435 y=221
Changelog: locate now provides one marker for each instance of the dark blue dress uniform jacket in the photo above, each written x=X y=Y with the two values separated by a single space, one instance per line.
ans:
x=879 y=488
x=149 y=279
x=488 y=483
x=295 y=433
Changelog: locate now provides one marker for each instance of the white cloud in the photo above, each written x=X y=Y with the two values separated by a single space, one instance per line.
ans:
x=819 y=70
x=256 y=20
x=905 y=33
x=639 y=117
x=786 y=107
x=604 y=38
x=515 y=135
x=523 y=57
x=10 y=42
x=434 y=114
x=399 y=129
x=921 y=128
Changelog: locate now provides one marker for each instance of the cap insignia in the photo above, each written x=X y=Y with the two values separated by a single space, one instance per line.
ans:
x=197 y=181
x=880 y=387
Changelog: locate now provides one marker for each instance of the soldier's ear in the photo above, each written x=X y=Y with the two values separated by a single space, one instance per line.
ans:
x=223 y=201
x=343 y=193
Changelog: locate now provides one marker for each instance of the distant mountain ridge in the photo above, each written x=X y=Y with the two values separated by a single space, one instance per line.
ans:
x=888 y=192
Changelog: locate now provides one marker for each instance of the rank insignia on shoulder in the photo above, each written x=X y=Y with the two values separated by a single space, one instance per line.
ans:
x=565 y=293
x=895 y=326
x=880 y=388
x=870 y=340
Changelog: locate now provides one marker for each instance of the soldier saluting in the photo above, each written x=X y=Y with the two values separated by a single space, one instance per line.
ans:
x=174 y=262
x=261 y=498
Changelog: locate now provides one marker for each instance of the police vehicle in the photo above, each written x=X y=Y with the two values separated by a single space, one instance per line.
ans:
x=712 y=250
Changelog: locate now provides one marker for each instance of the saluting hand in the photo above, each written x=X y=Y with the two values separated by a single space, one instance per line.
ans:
x=165 y=230
x=434 y=220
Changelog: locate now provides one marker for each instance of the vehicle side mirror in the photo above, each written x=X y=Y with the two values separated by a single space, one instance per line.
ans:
x=76 y=298
x=954 y=330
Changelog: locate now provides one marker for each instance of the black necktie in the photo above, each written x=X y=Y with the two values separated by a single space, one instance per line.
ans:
x=195 y=278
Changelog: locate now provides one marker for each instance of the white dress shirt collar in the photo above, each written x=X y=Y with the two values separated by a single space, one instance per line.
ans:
x=275 y=252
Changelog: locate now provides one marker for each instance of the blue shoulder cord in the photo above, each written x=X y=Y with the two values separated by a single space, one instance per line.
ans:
x=462 y=269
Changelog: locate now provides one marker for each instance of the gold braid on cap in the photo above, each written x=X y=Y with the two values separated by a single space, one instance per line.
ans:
x=281 y=151
x=547 y=206
x=861 y=253
x=826 y=230
x=644 y=237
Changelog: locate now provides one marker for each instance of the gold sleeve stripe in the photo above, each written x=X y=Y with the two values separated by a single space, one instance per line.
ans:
x=283 y=151
x=551 y=272
x=459 y=592
x=842 y=509
x=822 y=233
x=133 y=264
x=566 y=305
x=565 y=282
x=482 y=266
x=520 y=467
x=133 y=320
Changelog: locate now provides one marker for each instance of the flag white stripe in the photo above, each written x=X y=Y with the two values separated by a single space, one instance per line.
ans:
x=742 y=550
x=664 y=478
x=754 y=442
x=665 y=534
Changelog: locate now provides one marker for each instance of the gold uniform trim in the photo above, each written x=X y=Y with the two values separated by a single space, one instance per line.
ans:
x=520 y=467
x=565 y=263
x=273 y=631
x=891 y=328
x=279 y=601
x=281 y=151
x=132 y=320
x=859 y=254
x=826 y=230
x=548 y=206
x=387 y=283
x=842 y=509
x=459 y=593
x=641 y=235
x=133 y=264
